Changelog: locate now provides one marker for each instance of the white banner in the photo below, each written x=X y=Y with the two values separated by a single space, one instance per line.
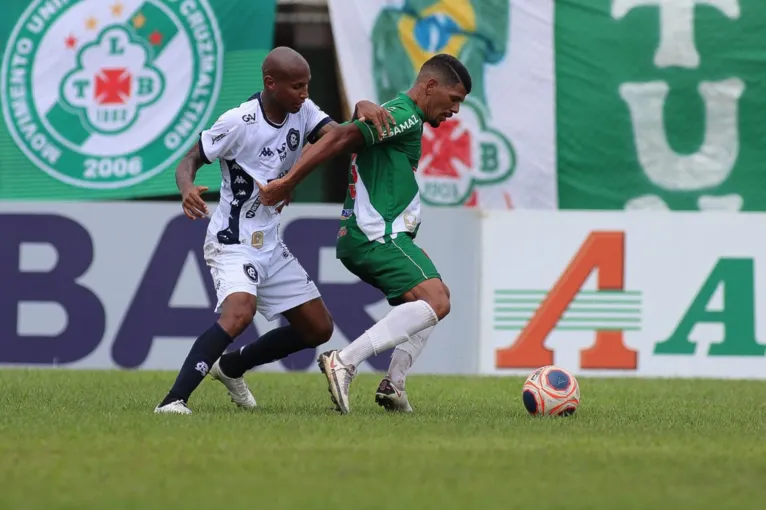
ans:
x=627 y=294
x=499 y=152
x=124 y=285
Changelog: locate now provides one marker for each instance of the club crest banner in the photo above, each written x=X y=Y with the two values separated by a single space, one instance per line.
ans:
x=101 y=98
x=499 y=151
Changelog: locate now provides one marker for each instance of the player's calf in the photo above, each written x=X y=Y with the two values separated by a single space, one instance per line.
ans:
x=310 y=326
x=237 y=313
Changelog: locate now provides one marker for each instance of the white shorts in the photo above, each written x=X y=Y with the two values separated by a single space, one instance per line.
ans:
x=274 y=276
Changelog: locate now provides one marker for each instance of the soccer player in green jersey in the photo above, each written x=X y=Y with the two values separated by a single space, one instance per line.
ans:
x=381 y=217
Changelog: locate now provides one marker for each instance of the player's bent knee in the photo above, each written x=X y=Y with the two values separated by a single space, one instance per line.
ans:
x=236 y=321
x=320 y=333
x=440 y=305
x=237 y=314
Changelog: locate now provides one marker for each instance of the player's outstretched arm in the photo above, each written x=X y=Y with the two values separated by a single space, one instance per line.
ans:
x=344 y=138
x=193 y=205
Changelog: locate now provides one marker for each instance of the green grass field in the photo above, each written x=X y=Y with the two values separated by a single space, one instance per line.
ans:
x=89 y=440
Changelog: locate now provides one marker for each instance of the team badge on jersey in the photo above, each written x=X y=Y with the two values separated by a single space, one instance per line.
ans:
x=251 y=272
x=90 y=95
x=293 y=139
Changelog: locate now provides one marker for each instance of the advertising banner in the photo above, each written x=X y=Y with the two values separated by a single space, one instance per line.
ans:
x=125 y=285
x=628 y=294
x=101 y=98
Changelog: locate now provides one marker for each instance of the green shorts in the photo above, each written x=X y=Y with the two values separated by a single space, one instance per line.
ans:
x=394 y=267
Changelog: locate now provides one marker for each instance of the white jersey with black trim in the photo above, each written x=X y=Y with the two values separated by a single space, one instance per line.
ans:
x=252 y=148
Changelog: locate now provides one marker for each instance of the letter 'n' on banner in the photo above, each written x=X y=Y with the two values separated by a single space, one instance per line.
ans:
x=601 y=251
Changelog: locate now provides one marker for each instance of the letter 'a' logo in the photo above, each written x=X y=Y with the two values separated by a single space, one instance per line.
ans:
x=601 y=251
x=105 y=94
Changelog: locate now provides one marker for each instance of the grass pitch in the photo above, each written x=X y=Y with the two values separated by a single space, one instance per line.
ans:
x=89 y=440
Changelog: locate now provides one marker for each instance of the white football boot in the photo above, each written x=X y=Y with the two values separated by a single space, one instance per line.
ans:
x=238 y=390
x=391 y=398
x=175 y=407
x=339 y=377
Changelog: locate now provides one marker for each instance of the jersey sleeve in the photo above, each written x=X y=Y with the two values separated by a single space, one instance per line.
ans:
x=224 y=139
x=406 y=122
x=316 y=119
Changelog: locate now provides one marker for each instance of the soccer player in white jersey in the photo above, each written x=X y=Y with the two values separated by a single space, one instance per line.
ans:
x=252 y=269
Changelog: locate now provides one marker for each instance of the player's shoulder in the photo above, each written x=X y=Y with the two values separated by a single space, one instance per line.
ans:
x=399 y=104
x=247 y=113
x=308 y=109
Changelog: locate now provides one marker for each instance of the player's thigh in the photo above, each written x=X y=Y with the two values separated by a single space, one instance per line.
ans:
x=288 y=288
x=395 y=267
x=236 y=276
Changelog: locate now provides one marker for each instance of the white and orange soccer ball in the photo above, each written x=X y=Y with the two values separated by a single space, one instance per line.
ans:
x=551 y=391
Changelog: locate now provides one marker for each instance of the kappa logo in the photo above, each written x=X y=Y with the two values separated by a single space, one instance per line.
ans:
x=88 y=123
x=267 y=152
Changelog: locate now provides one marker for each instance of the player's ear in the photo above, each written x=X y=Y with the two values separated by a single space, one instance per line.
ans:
x=269 y=82
x=431 y=86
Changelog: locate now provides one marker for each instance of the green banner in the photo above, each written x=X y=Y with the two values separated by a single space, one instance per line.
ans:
x=660 y=104
x=101 y=98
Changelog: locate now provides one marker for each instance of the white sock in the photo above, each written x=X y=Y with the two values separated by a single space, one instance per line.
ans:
x=405 y=354
x=393 y=329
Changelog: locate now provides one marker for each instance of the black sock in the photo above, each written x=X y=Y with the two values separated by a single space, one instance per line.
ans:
x=205 y=351
x=276 y=344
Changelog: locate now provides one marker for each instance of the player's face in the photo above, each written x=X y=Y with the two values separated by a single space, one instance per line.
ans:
x=443 y=102
x=291 y=90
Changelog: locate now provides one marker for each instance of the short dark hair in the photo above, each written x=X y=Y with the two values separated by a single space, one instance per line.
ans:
x=450 y=69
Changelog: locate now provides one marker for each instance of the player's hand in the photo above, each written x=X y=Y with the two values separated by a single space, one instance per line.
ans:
x=285 y=203
x=275 y=191
x=193 y=205
x=380 y=117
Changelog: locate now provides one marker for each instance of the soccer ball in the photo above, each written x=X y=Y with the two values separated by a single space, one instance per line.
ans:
x=551 y=391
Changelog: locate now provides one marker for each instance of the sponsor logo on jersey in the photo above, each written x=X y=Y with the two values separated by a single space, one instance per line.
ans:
x=411 y=122
x=253 y=208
